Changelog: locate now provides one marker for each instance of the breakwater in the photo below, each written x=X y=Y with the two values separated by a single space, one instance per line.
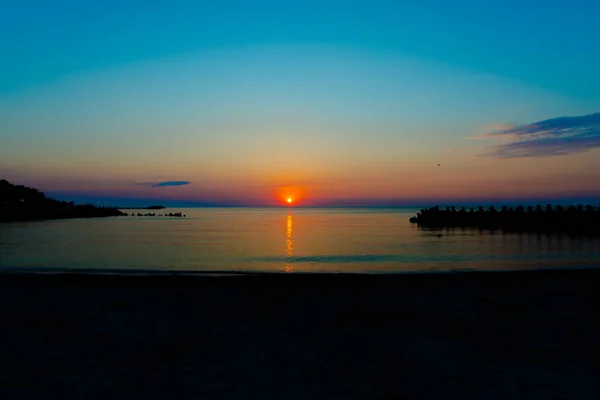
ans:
x=571 y=219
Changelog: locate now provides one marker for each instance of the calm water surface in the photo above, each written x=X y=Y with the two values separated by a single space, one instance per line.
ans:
x=280 y=240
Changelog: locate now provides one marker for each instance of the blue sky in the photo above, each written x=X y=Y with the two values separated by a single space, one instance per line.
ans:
x=351 y=100
x=550 y=44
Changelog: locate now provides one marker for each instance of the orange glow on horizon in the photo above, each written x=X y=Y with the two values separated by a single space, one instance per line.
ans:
x=289 y=195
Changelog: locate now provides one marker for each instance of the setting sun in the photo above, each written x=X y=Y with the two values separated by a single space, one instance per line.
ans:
x=290 y=195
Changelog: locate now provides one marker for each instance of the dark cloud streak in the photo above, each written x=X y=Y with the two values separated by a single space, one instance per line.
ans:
x=171 y=183
x=551 y=137
x=163 y=184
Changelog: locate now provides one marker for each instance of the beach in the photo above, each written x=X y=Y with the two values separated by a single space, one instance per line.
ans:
x=492 y=335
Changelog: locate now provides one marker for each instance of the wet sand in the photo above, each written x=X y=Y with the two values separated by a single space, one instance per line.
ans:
x=525 y=335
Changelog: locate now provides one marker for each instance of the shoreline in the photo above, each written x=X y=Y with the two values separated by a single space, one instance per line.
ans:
x=98 y=272
x=468 y=335
x=77 y=212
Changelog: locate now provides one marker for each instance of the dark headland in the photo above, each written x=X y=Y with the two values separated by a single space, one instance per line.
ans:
x=22 y=203
x=573 y=219
x=510 y=335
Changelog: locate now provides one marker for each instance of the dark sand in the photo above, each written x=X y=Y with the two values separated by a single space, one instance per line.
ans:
x=525 y=335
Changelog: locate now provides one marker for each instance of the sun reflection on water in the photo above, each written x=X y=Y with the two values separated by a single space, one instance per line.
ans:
x=289 y=242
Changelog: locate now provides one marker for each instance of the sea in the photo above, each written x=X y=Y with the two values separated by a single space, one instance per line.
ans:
x=280 y=240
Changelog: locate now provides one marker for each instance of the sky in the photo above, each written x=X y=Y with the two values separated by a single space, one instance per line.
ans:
x=325 y=102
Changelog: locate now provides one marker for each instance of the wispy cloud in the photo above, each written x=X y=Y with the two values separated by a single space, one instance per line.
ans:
x=171 y=183
x=163 y=184
x=551 y=137
x=491 y=128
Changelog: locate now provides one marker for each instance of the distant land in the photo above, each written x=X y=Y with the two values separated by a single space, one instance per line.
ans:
x=22 y=203
x=142 y=208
